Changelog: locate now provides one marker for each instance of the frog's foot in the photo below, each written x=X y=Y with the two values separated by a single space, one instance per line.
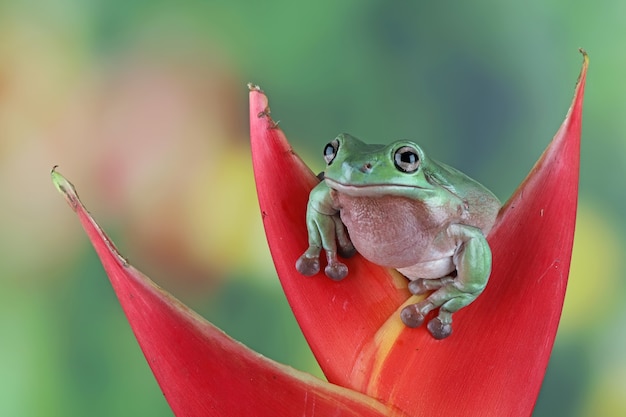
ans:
x=413 y=315
x=335 y=270
x=449 y=298
x=422 y=285
x=441 y=326
x=309 y=263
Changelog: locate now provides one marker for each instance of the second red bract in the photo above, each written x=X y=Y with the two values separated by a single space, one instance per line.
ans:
x=492 y=365
x=495 y=361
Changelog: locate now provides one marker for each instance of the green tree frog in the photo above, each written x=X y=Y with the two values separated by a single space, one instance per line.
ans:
x=405 y=211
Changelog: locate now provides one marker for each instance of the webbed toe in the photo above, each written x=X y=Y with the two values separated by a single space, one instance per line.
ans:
x=438 y=329
x=336 y=271
x=418 y=287
x=412 y=316
x=308 y=266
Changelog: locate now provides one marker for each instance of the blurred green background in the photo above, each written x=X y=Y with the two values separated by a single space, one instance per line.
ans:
x=143 y=104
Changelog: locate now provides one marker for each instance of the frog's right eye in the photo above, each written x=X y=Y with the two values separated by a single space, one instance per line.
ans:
x=330 y=151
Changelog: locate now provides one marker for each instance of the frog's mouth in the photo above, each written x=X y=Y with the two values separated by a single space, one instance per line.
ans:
x=370 y=190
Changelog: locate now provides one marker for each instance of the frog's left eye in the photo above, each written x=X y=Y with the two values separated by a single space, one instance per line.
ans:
x=330 y=151
x=406 y=159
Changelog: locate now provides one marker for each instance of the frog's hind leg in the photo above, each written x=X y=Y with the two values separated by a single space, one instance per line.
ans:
x=449 y=298
x=473 y=264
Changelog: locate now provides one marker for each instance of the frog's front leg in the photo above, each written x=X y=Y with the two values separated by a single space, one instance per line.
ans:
x=473 y=265
x=325 y=230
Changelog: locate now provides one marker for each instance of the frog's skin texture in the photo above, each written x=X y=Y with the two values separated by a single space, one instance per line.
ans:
x=406 y=211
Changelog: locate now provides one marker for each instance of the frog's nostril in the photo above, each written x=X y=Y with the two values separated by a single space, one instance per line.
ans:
x=367 y=167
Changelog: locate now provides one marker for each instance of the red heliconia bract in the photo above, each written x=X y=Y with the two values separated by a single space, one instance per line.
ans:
x=496 y=359
x=201 y=370
x=493 y=364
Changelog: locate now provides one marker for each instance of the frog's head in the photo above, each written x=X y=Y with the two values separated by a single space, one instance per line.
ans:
x=359 y=169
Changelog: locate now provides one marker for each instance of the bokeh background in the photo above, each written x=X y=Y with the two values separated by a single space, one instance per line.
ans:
x=143 y=104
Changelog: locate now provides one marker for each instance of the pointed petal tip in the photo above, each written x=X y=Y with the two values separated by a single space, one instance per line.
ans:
x=254 y=87
x=583 y=70
x=576 y=106
x=259 y=107
x=65 y=187
x=585 y=54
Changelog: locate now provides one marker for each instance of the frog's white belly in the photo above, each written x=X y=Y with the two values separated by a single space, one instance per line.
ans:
x=399 y=233
x=432 y=269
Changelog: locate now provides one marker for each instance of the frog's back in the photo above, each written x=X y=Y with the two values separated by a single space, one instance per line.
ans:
x=481 y=204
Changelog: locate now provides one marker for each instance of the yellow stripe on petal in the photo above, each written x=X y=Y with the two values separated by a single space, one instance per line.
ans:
x=373 y=357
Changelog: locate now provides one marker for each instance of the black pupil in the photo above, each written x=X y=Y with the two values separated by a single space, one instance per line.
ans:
x=408 y=158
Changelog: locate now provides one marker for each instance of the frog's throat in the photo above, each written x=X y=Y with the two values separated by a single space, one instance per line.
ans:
x=370 y=190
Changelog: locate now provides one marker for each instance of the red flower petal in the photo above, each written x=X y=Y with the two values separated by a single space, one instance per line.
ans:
x=201 y=371
x=340 y=318
x=496 y=359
